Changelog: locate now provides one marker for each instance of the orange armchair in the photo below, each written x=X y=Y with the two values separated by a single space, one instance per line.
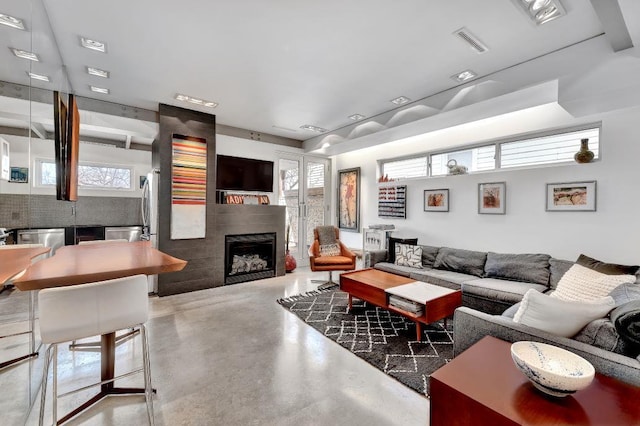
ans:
x=328 y=253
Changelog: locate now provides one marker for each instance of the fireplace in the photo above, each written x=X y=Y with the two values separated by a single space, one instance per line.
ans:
x=249 y=257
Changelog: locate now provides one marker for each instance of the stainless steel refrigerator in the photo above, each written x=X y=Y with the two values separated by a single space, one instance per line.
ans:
x=149 y=210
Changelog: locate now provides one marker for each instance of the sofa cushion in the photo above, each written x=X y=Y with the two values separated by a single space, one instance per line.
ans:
x=463 y=261
x=392 y=246
x=408 y=255
x=532 y=268
x=557 y=268
x=429 y=254
x=503 y=290
x=560 y=317
x=581 y=283
x=395 y=269
x=332 y=260
x=606 y=268
x=436 y=276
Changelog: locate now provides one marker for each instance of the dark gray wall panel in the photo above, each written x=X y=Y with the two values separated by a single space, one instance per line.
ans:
x=198 y=274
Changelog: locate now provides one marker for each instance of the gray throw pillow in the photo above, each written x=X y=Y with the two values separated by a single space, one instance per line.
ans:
x=625 y=293
x=429 y=254
x=463 y=261
x=558 y=267
x=607 y=268
x=560 y=317
x=530 y=268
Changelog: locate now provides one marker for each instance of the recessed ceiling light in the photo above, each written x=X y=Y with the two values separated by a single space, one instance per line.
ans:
x=12 y=22
x=25 y=54
x=356 y=117
x=400 y=100
x=99 y=90
x=464 y=76
x=93 y=44
x=313 y=128
x=197 y=101
x=541 y=11
x=38 y=76
x=97 y=72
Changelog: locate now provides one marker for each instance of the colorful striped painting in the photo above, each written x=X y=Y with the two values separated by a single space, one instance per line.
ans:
x=188 y=187
x=189 y=171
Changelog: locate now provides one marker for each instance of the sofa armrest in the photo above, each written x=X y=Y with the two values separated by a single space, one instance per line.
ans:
x=377 y=256
x=471 y=325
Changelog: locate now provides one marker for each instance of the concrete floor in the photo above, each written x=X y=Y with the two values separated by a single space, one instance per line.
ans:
x=233 y=356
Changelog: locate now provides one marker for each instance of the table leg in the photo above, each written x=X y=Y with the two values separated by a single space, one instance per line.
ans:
x=350 y=303
x=419 y=331
x=108 y=360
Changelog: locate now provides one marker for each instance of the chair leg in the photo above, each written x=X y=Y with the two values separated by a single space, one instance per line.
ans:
x=148 y=389
x=54 y=391
x=328 y=284
x=45 y=376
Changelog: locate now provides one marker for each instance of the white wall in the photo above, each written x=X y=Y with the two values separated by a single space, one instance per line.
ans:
x=92 y=153
x=611 y=233
x=239 y=147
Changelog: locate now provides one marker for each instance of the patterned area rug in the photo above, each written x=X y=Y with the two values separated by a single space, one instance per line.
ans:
x=383 y=339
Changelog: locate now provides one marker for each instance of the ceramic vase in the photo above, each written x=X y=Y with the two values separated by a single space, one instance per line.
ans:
x=584 y=155
x=289 y=262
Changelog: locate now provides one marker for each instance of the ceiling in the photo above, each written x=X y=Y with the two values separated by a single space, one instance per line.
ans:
x=273 y=66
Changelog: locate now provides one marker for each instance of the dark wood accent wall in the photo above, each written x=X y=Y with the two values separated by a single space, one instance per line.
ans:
x=200 y=253
x=235 y=219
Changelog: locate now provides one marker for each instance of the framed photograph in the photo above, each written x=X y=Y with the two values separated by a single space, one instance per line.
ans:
x=492 y=198
x=349 y=199
x=571 y=197
x=436 y=200
x=19 y=175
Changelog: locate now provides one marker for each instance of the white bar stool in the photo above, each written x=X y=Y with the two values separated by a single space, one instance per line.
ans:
x=121 y=338
x=33 y=352
x=75 y=312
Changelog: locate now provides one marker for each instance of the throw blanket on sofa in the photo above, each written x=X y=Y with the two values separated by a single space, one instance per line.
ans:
x=627 y=321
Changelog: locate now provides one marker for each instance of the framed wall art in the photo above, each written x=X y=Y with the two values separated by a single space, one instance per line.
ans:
x=492 y=198
x=19 y=174
x=571 y=197
x=349 y=199
x=392 y=201
x=188 y=187
x=436 y=200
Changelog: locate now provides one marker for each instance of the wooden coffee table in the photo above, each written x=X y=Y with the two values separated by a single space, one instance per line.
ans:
x=371 y=284
x=482 y=386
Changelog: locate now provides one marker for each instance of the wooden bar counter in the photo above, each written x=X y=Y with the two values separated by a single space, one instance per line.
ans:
x=82 y=264
x=15 y=260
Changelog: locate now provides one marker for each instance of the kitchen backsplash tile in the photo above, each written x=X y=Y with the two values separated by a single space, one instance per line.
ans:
x=46 y=211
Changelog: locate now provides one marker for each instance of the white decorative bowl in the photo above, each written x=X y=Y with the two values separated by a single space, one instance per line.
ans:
x=552 y=370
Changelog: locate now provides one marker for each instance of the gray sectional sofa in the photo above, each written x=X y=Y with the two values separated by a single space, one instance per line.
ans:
x=491 y=283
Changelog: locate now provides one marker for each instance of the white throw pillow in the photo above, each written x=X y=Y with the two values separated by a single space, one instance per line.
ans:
x=408 y=255
x=560 y=317
x=580 y=283
x=330 y=250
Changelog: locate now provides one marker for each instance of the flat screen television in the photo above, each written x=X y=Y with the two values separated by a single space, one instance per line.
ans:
x=243 y=174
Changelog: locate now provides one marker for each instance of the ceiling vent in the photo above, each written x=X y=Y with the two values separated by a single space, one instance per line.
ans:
x=471 y=40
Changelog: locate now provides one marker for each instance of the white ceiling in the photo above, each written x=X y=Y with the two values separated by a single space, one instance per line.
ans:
x=276 y=65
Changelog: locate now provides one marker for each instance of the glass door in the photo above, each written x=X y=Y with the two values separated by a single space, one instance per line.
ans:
x=306 y=199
